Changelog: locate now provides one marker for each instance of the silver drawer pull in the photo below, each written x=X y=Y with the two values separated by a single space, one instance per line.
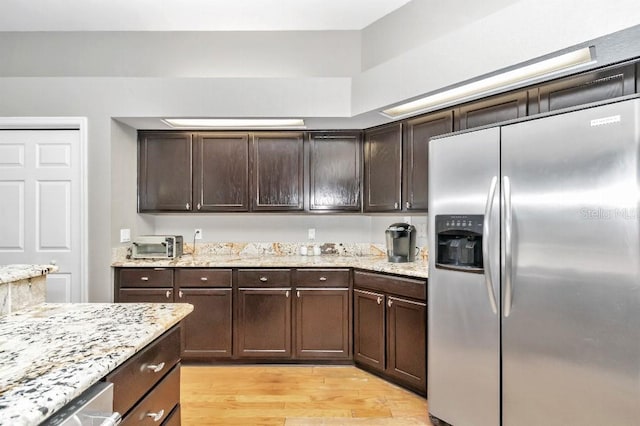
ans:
x=156 y=368
x=180 y=294
x=168 y=294
x=264 y=279
x=144 y=278
x=379 y=300
x=323 y=278
x=156 y=416
x=298 y=294
x=389 y=303
x=287 y=293
x=204 y=279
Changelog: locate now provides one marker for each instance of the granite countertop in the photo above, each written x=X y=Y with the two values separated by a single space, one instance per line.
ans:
x=51 y=353
x=419 y=268
x=11 y=273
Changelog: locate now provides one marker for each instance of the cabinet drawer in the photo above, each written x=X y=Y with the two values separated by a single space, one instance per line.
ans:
x=322 y=278
x=407 y=287
x=159 y=403
x=147 y=277
x=203 y=277
x=135 y=377
x=264 y=278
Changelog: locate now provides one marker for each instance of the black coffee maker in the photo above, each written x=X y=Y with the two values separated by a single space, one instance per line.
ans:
x=401 y=242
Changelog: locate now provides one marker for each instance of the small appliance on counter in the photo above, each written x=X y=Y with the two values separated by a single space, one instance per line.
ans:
x=157 y=247
x=401 y=243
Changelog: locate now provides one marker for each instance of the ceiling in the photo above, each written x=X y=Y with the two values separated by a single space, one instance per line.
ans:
x=193 y=15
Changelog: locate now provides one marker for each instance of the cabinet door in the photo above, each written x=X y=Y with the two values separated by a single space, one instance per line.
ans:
x=416 y=156
x=322 y=323
x=334 y=171
x=493 y=110
x=263 y=324
x=164 y=171
x=369 y=333
x=277 y=166
x=144 y=295
x=221 y=172
x=206 y=332
x=406 y=342
x=383 y=168
x=586 y=88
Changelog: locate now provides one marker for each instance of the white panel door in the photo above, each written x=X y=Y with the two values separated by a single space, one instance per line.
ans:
x=40 y=208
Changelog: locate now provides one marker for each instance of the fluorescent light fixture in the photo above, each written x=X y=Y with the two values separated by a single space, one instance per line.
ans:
x=501 y=81
x=234 y=122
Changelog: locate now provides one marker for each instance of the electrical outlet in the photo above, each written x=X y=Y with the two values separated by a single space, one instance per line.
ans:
x=312 y=233
x=125 y=235
x=198 y=233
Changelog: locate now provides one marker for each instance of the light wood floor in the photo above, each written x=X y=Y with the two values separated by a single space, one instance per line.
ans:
x=294 y=396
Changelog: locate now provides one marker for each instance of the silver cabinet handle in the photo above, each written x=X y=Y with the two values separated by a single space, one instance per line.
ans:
x=264 y=279
x=204 y=279
x=389 y=302
x=180 y=294
x=156 y=416
x=508 y=255
x=286 y=293
x=168 y=294
x=188 y=206
x=485 y=244
x=395 y=205
x=323 y=278
x=408 y=204
x=155 y=368
x=298 y=294
x=144 y=278
x=379 y=300
x=198 y=206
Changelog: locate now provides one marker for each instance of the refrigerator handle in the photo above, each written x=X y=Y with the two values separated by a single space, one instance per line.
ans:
x=486 y=226
x=508 y=255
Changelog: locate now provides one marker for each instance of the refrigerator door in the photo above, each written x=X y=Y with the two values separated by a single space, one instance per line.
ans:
x=571 y=317
x=463 y=337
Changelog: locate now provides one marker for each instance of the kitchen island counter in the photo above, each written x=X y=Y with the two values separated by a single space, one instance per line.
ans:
x=419 y=268
x=51 y=353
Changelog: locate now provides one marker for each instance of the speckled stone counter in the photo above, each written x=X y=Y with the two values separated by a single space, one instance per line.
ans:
x=51 y=353
x=418 y=268
x=22 y=286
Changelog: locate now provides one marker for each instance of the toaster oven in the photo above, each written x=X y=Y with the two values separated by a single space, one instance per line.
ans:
x=157 y=247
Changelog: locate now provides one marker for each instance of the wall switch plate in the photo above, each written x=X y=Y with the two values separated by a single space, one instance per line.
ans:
x=198 y=233
x=312 y=233
x=125 y=235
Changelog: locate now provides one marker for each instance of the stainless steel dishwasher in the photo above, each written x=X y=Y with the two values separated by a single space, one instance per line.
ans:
x=93 y=408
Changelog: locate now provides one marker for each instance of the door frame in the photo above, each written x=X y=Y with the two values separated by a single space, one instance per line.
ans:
x=67 y=123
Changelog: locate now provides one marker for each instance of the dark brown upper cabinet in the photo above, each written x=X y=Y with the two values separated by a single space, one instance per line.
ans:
x=221 y=172
x=417 y=132
x=164 y=172
x=334 y=171
x=492 y=110
x=588 y=87
x=277 y=160
x=383 y=168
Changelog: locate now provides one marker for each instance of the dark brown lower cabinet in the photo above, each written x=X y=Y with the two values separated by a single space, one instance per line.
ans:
x=390 y=328
x=142 y=295
x=406 y=344
x=368 y=334
x=322 y=323
x=207 y=330
x=263 y=326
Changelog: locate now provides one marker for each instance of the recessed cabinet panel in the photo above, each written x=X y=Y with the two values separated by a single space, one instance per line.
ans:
x=334 y=171
x=221 y=172
x=277 y=166
x=369 y=333
x=417 y=133
x=493 y=110
x=383 y=168
x=164 y=172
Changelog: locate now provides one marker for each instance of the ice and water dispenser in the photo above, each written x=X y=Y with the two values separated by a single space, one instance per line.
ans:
x=459 y=242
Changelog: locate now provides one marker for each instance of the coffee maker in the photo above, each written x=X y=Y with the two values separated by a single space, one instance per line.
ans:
x=401 y=242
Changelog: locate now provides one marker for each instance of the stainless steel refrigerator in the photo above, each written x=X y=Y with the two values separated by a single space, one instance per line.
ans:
x=534 y=271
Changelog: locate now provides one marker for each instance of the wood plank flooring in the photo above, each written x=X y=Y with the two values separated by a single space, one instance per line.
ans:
x=269 y=395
